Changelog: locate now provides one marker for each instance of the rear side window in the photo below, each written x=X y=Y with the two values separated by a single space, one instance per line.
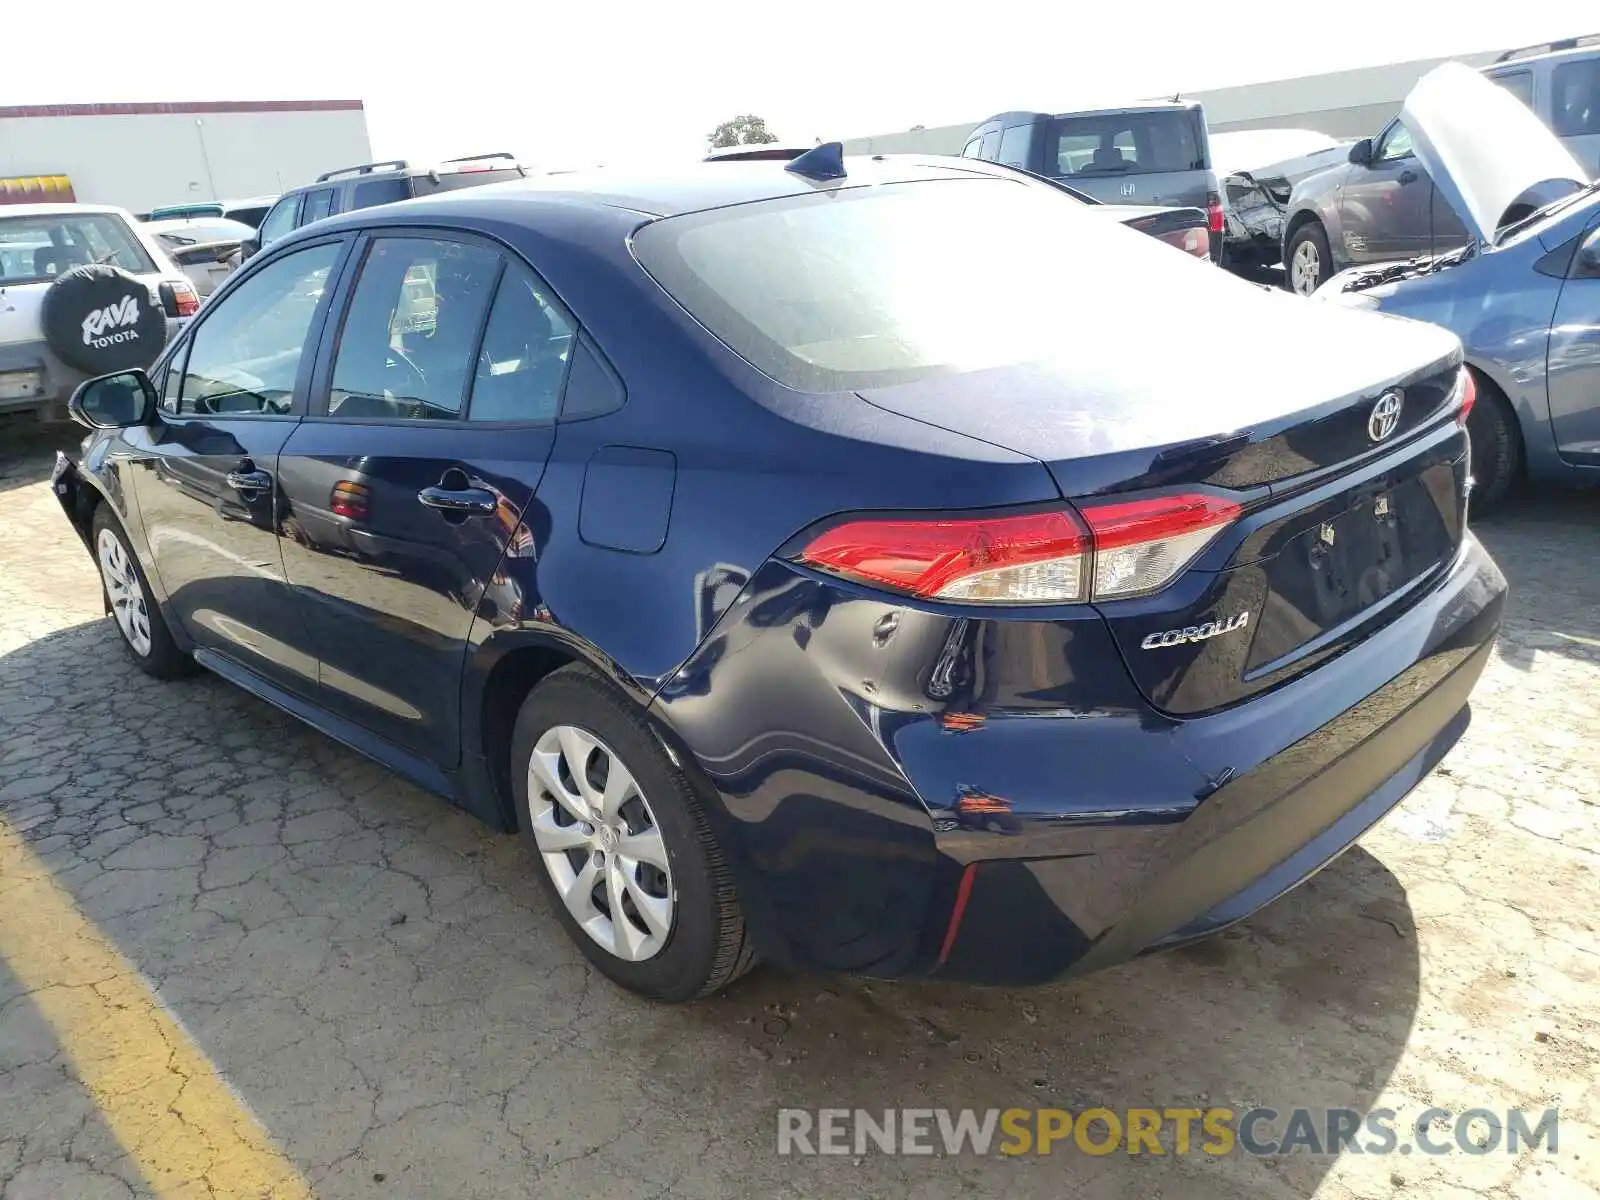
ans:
x=991 y=145
x=1014 y=146
x=972 y=148
x=1132 y=143
x=1518 y=83
x=1575 y=98
x=380 y=191
x=406 y=349
x=868 y=287
x=523 y=360
x=318 y=204
x=449 y=181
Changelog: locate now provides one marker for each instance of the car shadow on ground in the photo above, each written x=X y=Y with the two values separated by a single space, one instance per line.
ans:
x=27 y=449
x=377 y=974
x=1531 y=537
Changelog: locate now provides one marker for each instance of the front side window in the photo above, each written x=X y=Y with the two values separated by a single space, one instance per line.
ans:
x=1575 y=98
x=523 y=361
x=35 y=249
x=1395 y=144
x=245 y=355
x=972 y=148
x=991 y=145
x=406 y=351
x=279 y=221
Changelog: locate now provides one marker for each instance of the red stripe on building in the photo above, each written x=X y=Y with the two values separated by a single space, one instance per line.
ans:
x=179 y=107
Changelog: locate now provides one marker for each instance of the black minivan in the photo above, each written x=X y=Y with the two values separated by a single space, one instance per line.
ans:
x=1154 y=153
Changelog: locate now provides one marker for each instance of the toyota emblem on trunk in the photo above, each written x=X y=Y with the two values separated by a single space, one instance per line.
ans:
x=1385 y=418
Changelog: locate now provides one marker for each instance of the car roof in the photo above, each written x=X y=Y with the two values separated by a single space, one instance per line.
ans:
x=666 y=191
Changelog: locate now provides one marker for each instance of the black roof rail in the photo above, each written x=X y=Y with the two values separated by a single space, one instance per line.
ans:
x=1570 y=43
x=393 y=164
x=480 y=157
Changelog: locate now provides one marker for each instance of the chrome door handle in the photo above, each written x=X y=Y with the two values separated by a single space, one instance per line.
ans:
x=465 y=502
x=249 y=481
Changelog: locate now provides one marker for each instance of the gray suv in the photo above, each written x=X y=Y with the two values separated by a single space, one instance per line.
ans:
x=1381 y=205
x=1154 y=153
x=371 y=184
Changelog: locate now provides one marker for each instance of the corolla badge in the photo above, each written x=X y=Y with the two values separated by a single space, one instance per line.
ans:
x=1195 y=633
x=1385 y=416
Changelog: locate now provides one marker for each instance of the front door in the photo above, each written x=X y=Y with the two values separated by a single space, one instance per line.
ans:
x=207 y=486
x=1574 y=361
x=1385 y=206
x=405 y=488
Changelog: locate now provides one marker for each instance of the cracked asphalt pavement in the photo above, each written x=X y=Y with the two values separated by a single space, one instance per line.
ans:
x=372 y=977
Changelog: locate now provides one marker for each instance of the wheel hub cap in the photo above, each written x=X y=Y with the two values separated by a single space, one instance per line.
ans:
x=124 y=592
x=598 y=839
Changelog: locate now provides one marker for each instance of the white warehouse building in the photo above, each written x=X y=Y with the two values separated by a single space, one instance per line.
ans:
x=141 y=156
x=1341 y=104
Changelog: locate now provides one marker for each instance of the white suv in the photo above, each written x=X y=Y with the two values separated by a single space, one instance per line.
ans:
x=83 y=291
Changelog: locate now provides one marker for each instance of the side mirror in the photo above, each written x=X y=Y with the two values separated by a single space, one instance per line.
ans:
x=1361 y=152
x=249 y=246
x=116 y=401
x=1586 y=263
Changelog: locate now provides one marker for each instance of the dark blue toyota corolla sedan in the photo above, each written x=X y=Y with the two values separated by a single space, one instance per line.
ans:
x=877 y=566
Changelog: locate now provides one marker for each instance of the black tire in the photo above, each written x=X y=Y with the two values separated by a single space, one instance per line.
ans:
x=707 y=947
x=161 y=658
x=1496 y=445
x=99 y=319
x=1310 y=234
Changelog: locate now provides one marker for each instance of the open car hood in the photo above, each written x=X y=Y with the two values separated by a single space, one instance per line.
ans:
x=1484 y=148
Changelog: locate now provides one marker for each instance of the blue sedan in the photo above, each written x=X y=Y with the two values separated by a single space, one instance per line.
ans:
x=843 y=563
x=1523 y=295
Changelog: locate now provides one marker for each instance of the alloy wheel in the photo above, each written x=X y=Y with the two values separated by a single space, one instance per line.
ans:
x=600 y=843
x=124 y=591
x=1306 y=268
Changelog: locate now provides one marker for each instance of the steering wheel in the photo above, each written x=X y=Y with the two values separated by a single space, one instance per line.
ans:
x=417 y=381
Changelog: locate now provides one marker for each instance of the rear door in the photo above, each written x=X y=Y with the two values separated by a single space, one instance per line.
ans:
x=435 y=409
x=207 y=487
x=1143 y=156
x=1385 y=207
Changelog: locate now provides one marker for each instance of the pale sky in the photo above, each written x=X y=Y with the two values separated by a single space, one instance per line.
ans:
x=577 y=84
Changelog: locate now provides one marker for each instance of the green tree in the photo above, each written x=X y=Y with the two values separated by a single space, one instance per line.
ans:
x=748 y=130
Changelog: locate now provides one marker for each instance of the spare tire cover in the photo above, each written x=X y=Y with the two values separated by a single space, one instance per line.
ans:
x=100 y=319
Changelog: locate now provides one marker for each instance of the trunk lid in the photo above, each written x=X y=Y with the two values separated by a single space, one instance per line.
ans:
x=1339 y=526
x=19 y=312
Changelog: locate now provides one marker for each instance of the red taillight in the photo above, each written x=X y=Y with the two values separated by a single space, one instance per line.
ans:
x=349 y=500
x=1140 y=545
x=1214 y=213
x=186 y=299
x=1031 y=558
x=1129 y=548
x=1467 y=386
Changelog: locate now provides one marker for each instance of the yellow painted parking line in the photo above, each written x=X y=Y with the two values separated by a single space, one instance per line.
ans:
x=165 y=1103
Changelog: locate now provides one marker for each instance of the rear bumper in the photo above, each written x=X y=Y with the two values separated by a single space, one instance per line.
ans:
x=1300 y=779
x=909 y=791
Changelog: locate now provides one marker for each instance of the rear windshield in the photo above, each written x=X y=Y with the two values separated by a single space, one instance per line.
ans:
x=871 y=286
x=1133 y=143
x=36 y=249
